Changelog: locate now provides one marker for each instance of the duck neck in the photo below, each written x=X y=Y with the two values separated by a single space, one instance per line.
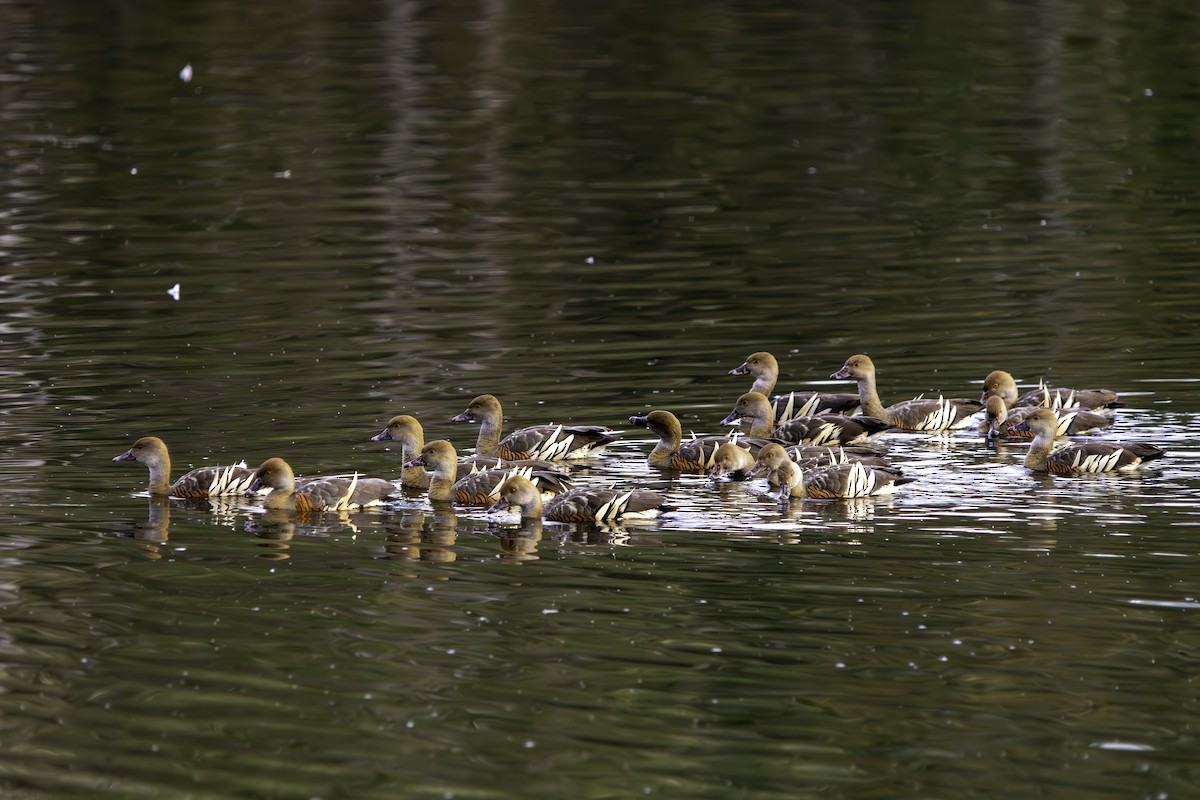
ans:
x=792 y=473
x=410 y=447
x=764 y=384
x=160 y=475
x=488 y=443
x=668 y=445
x=281 y=499
x=868 y=397
x=1039 y=450
x=441 y=482
x=761 y=424
x=532 y=507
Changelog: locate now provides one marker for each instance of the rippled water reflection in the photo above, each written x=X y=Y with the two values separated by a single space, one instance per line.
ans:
x=590 y=211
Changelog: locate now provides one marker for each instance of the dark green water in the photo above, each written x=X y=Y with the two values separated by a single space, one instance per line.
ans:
x=591 y=210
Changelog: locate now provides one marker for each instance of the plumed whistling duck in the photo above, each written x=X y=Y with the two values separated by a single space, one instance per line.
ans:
x=1002 y=421
x=1081 y=458
x=790 y=405
x=672 y=451
x=199 y=483
x=754 y=411
x=317 y=494
x=999 y=383
x=547 y=442
x=810 y=456
x=731 y=460
x=580 y=505
x=477 y=488
x=910 y=415
x=407 y=431
x=837 y=481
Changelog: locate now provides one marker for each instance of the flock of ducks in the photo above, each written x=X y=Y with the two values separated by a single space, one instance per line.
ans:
x=806 y=444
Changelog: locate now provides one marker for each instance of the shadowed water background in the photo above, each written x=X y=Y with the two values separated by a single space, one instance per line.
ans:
x=592 y=210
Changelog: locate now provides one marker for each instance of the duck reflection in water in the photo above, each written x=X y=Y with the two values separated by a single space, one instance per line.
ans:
x=519 y=542
x=152 y=531
x=157 y=525
x=422 y=536
x=276 y=528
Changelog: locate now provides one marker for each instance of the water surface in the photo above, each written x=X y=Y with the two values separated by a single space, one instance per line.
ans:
x=591 y=211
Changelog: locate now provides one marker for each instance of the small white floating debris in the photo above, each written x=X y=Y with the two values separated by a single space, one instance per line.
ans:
x=1127 y=747
x=185 y=74
x=174 y=292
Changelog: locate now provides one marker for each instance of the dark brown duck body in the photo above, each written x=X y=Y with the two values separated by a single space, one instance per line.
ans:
x=846 y=480
x=765 y=369
x=197 y=484
x=999 y=383
x=544 y=442
x=757 y=417
x=318 y=494
x=911 y=415
x=1082 y=458
x=588 y=505
x=1002 y=421
x=672 y=451
x=478 y=488
x=410 y=435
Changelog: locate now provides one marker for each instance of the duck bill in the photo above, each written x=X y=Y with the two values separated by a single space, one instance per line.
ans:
x=499 y=505
x=419 y=461
x=732 y=419
x=1020 y=428
x=126 y=456
x=255 y=486
x=841 y=374
x=383 y=437
x=742 y=370
x=637 y=420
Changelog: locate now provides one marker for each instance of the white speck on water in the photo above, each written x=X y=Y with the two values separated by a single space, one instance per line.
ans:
x=589 y=260
x=174 y=292
x=133 y=170
x=549 y=610
x=530 y=744
x=185 y=74
x=715 y=650
x=1128 y=747
x=1148 y=92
